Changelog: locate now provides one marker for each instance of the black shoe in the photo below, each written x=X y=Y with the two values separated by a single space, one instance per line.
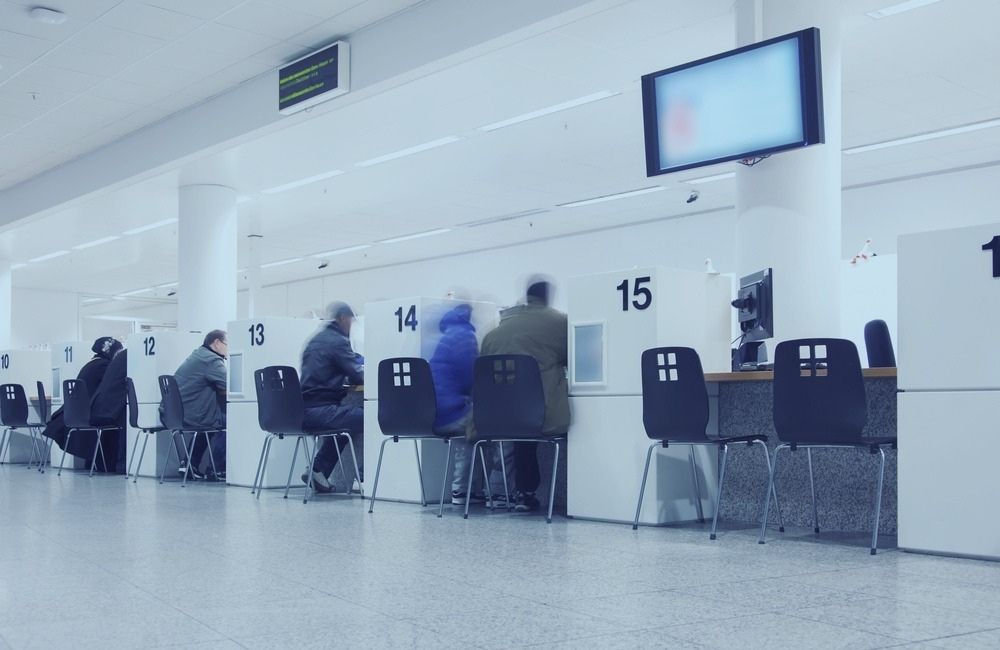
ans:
x=320 y=484
x=526 y=502
x=458 y=498
x=219 y=476
x=196 y=474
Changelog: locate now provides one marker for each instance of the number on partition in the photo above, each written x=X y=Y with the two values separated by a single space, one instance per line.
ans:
x=638 y=291
x=149 y=344
x=69 y=353
x=994 y=245
x=5 y=361
x=257 y=334
x=409 y=321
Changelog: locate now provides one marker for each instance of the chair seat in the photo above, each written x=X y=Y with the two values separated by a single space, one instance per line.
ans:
x=873 y=442
x=540 y=438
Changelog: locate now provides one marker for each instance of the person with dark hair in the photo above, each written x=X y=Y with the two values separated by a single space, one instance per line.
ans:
x=92 y=374
x=329 y=365
x=201 y=382
x=537 y=330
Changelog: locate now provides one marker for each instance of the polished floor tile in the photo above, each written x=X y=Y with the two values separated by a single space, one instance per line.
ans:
x=105 y=563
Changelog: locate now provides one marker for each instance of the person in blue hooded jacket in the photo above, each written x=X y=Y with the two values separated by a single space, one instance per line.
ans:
x=451 y=367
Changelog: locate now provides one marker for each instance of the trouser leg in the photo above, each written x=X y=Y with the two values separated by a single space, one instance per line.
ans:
x=334 y=417
x=198 y=451
x=527 y=475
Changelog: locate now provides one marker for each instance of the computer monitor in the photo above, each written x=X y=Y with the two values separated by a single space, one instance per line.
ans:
x=756 y=307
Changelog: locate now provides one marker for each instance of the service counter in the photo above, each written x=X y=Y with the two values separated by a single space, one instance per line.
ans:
x=742 y=404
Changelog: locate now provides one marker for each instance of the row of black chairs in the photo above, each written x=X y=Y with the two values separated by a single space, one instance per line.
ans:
x=819 y=403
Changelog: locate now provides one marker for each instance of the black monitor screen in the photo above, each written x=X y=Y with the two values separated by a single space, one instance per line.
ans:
x=752 y=101
x=756 y=306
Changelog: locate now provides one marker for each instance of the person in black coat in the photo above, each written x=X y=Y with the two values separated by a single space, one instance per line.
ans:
x=92 y=374
x=107 y=407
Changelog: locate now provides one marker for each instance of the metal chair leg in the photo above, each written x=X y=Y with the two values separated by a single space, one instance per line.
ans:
x=166 y=461
x=141 y=455
x=3 y=442
x=34 y=447
x=812 y=490
x=718 y=496
x=46 y=458
x=340 y=461
x=211 y=454
x=291 y=466
x=767 y=497
x=188 y=452
x=444 y=478
x=312 y=463
x=486 y=474
x=260 y=460
x=131 y=458
x=697 y=483
x=62 y=459
x=774 y=494
x=552 y=486
x=878 y=500
x=99 y=446
x=503 y=474
x=642 y=488
x=267 y=459
x=472 y=475
x=420 y=474
x=378 y=470
x=357 y=470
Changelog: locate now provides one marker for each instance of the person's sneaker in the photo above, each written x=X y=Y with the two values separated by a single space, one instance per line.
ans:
x=182 y=468
x=195 y=474
x=498 y=501
x=320 y=484
x=526 y=502
x=219 y=476
x=458 y=498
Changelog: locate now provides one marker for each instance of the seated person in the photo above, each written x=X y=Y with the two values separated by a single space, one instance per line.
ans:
x=328 y=366
x=92 y=374
x=107 y=408
x=201 y=381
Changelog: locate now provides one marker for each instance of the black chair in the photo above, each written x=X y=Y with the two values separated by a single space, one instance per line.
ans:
x=173 y=421
x=14 y=417
x=675 y=412
x=76 y=415
x=407 y=408
x=44 y=411
x=509 y=406
x=133 y=419
x=280 y=413
x=878 y=343
x=819 y=402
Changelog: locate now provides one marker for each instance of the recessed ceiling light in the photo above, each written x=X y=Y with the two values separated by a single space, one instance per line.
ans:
x=429 y=233
x=89 y=301
x=612 y=197
x=433 y=144
x=96 y=242
x=19 y=265
x=341 y=251
x=48 y=16
x=900 y=7
x=151 y=226
x=136 y=292
x=710 y=179
x=166 y=286
x=921 y=137
x=50 y=256
x=579 y=101
x=292 y=260
x=301 y=182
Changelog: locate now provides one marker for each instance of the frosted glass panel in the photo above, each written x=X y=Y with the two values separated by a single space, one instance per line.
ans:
x=236 y=374
x=588 y=354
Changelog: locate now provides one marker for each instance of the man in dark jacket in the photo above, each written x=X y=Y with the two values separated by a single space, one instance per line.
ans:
x=201 y=382
x=92 y=374
x=539 y=331
x=328 y=366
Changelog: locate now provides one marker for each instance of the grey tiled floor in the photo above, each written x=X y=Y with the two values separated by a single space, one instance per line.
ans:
x=105 y=563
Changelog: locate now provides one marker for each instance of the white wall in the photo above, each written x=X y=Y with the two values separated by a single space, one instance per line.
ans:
x=39 y=317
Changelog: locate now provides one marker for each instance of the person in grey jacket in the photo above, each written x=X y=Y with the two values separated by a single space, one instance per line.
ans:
x=539 y=331
x=201 y=382
x=329 y=365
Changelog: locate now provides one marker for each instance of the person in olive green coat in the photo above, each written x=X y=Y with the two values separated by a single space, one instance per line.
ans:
x=539 y=331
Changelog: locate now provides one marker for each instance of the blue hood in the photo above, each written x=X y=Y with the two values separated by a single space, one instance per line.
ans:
x=460 y=316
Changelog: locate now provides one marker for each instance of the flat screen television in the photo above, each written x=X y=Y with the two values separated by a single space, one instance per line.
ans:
x=755 y=303
x=751 y=101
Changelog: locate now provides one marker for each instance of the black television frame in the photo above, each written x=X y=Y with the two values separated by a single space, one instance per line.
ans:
x=756 y=317
x=811 y=93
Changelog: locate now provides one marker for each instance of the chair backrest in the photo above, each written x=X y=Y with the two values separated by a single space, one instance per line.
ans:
x=44 y=403
x=76 y=404
x=674 y=395
x=878 y=343
x=13 y=406
x=172 y=413
x=407 y=404
x=280 y=407
x=133 y=403
x=507 y=397
x=819 y=391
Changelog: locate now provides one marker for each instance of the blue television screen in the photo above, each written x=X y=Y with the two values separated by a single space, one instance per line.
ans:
x=756 y=100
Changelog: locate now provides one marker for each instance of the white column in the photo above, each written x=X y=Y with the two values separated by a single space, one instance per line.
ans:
x=789 y=206
x=6 y=304
x=250 y=215
x=206 y=257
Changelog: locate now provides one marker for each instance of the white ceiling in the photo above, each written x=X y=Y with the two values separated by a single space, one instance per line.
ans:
x=915 y=72
x=117 y=65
